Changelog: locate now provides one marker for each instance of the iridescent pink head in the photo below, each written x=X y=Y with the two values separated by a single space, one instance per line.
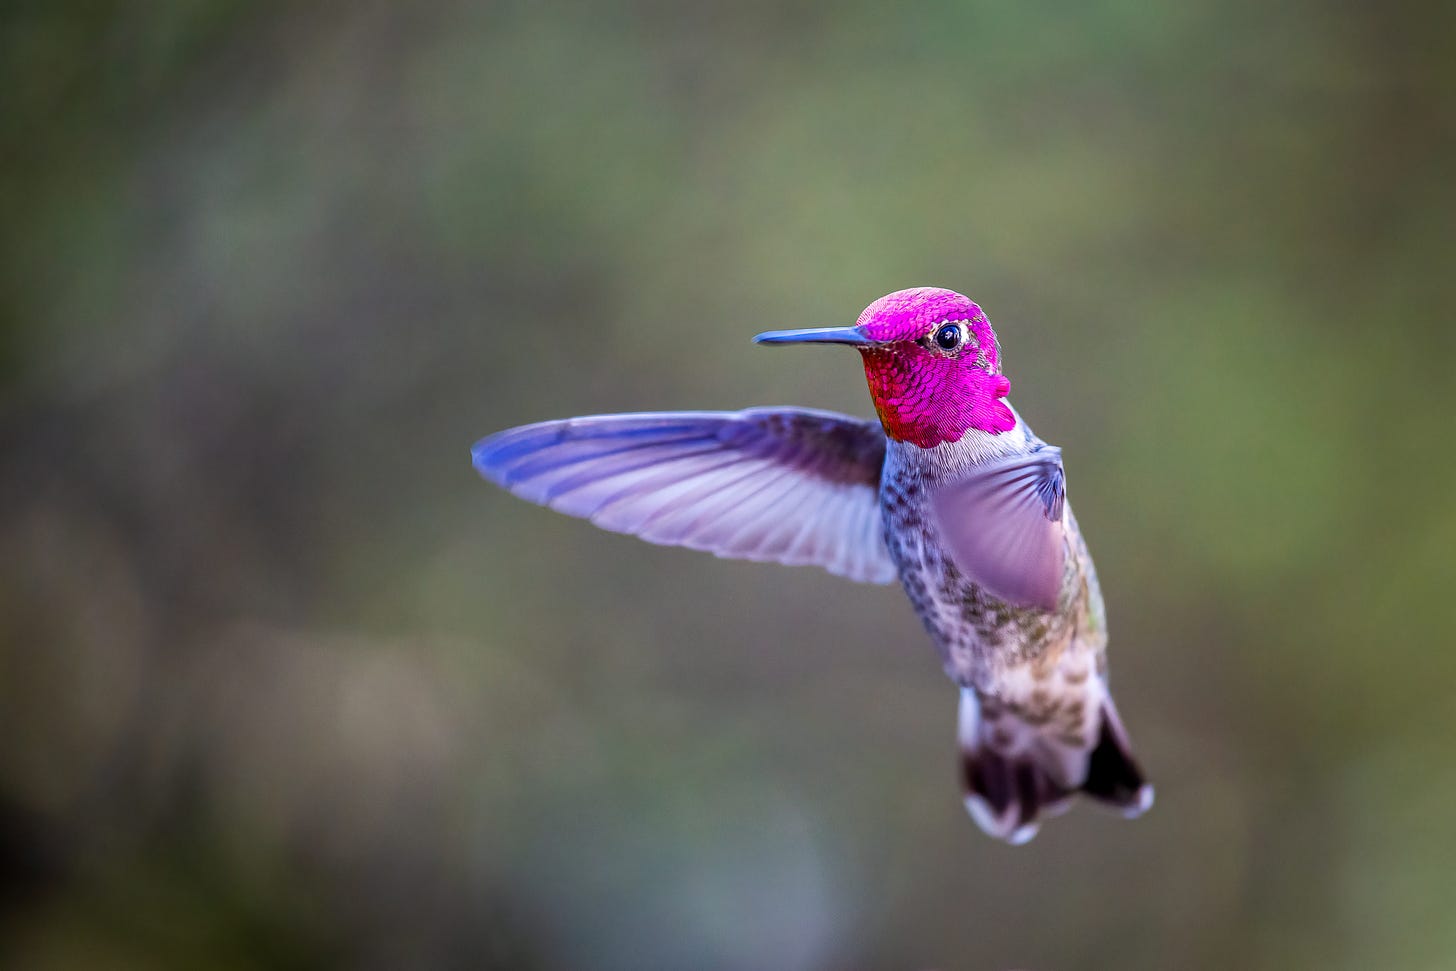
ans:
x=932 y=361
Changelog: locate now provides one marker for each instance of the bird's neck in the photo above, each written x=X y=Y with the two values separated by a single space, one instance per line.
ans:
x=950 y=460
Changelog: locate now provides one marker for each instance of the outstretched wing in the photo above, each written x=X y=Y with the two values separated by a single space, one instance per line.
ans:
x=1003 y=527
x=793 y=486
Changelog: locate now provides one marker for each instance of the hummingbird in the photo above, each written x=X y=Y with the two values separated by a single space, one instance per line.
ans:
x=949 y=492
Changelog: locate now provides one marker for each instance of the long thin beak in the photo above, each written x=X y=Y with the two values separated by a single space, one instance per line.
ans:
x=815 y=335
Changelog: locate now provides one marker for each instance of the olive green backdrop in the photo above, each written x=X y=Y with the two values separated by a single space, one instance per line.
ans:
x=283 y=684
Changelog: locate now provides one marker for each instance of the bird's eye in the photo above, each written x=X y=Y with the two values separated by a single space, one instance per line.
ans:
x=950 y=337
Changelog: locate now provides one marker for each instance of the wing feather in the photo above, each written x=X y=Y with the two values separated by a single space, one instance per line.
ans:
x=792 y=486
x=1004 y=528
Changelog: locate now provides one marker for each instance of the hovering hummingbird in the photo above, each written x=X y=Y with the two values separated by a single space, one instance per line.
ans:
x=950 y=492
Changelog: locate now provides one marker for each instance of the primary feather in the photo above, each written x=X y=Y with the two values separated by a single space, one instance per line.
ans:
x=789 y=485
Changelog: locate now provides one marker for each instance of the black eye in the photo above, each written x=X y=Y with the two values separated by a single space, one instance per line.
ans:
x=949 y=337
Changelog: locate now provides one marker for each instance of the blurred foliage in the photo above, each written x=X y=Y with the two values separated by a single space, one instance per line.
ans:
x=284 y=685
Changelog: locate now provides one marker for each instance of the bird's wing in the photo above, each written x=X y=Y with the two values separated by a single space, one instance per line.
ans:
x=1003 y=527
x=789 y=485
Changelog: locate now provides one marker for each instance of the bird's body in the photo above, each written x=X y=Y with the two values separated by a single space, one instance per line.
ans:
x=1033 y=680
x=984 y=642
x=950 y=492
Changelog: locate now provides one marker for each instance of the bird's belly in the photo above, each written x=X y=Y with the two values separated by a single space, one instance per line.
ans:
x=982 y=640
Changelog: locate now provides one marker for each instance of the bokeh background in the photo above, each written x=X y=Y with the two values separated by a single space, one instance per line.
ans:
x=283 y=684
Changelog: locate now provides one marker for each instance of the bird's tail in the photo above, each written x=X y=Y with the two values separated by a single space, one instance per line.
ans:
x=1015 y=769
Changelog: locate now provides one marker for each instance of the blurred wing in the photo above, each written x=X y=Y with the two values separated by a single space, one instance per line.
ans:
x=1003 y=527
x=788 y=485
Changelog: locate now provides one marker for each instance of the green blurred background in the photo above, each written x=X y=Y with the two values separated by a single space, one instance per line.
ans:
x=283 y=684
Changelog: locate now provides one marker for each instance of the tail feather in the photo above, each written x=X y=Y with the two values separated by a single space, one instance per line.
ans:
x=1015 y=772
x=1113 y=775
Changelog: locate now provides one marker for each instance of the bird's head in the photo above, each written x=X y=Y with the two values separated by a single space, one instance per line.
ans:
x=932 y=361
